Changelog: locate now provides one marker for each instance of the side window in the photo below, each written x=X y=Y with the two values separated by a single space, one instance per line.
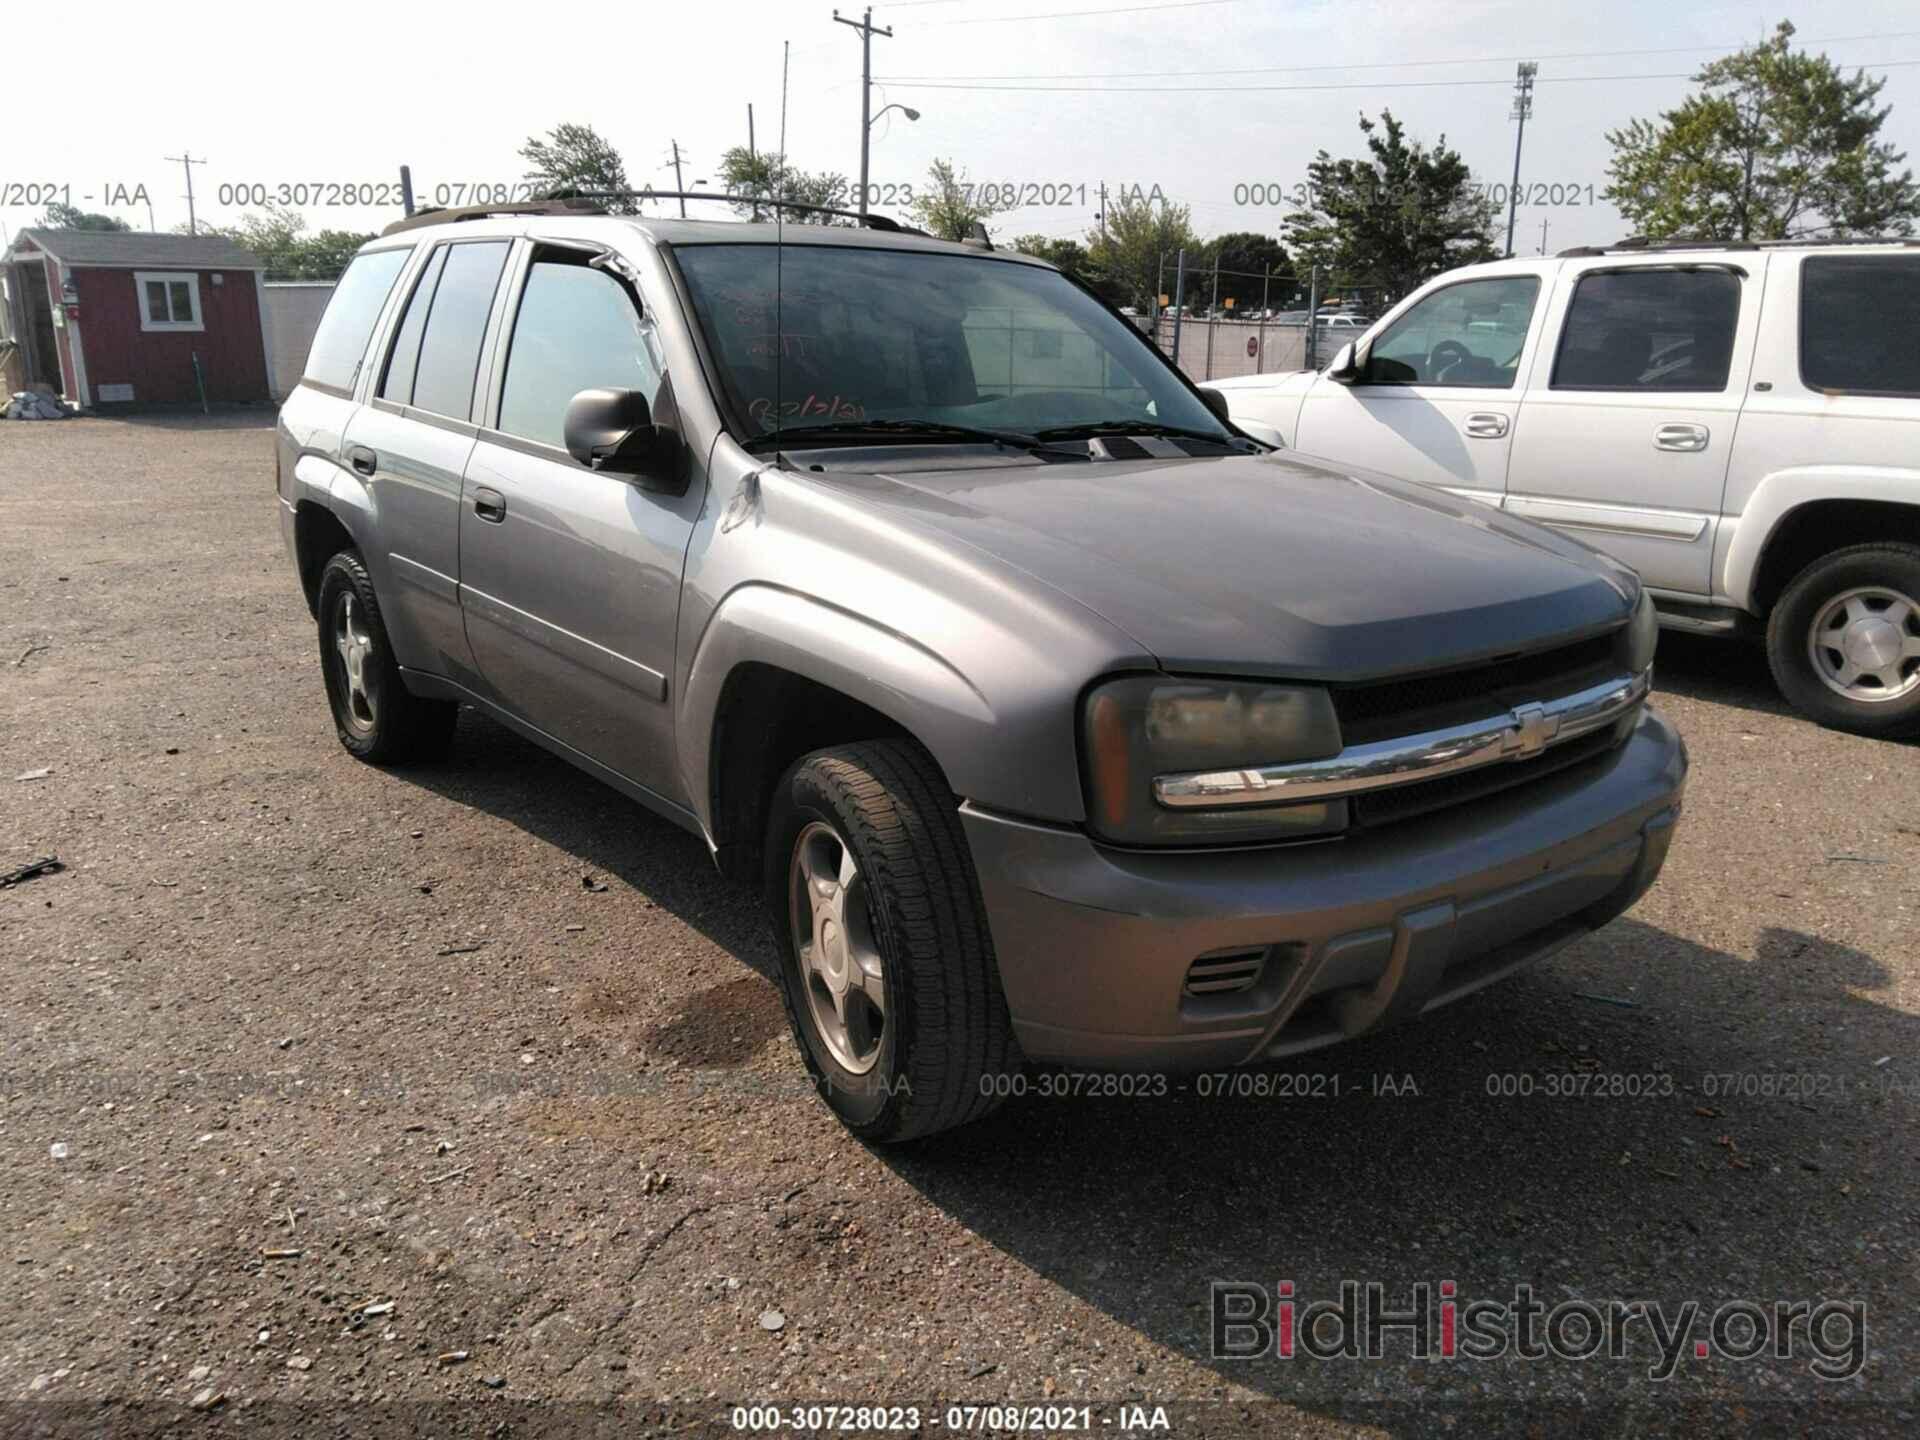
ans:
x=1860 y=323
x=1655 y=330
x=397 y=384
x=577 y=329
x=340 y=342
x=1466 y=334
x=456 y=323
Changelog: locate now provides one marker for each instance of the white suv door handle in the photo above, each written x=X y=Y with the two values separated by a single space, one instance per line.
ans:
x=1486 y=426
x=1681 y=437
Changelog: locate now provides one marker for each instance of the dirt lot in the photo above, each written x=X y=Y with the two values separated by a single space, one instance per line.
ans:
x=292 y=1039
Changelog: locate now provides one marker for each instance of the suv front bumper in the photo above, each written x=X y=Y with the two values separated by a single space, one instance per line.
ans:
x=1341 y=937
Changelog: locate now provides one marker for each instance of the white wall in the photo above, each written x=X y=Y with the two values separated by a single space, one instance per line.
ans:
x=293 y=309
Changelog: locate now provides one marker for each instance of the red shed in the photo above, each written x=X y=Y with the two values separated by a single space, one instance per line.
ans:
x=122 y=317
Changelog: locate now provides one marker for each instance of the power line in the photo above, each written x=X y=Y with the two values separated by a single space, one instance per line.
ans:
x=1350 y=85
x=1398 y=64
x=1073 y=14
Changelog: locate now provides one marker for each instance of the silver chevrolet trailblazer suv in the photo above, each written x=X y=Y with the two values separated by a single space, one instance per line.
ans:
x=1055 y=718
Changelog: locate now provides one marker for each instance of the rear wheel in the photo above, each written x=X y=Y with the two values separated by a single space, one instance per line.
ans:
x=887 y=966
x=1844 y=640
x=378 y=719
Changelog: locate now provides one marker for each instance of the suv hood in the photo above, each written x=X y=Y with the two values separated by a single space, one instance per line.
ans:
x=1271 y=565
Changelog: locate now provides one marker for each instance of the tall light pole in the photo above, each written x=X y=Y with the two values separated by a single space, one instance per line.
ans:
x=1522 y=109
x=867 y=30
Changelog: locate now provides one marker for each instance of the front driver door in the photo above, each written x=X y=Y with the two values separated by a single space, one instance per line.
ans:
x=570 y=579
x=1439 y=395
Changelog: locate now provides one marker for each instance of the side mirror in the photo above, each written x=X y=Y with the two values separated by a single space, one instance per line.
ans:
x=1217 y=403
x=613 y=431
x=1348 y=366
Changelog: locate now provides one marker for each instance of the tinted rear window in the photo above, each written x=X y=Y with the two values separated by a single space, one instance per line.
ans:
x=341 y=341
x=1860 y=323
x=397 y=384
x=1649 y=330
x=450 y=350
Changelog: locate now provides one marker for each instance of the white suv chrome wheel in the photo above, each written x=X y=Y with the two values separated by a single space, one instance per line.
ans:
x=1865 y=644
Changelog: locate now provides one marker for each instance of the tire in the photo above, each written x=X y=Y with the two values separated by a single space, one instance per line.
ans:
x=942 y=1038
x=1879 y=585
x=383 y=722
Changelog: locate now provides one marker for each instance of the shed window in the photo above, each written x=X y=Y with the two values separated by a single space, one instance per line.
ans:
x=168 y=300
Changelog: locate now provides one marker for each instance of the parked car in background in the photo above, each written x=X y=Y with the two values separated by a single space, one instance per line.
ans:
x=1757 y=463
x=1052 y=717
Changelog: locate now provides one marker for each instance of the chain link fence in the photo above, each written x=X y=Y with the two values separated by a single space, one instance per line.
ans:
x=1237 y=323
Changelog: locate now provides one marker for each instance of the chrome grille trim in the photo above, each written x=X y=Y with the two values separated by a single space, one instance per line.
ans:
x=1520 y=734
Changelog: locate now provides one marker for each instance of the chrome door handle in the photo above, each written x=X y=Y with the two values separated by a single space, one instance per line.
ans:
x=1486 y=426
x=1681 y=437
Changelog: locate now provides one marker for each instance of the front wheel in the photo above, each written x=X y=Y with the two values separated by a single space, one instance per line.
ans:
x=1844 y=640
x=887 y=967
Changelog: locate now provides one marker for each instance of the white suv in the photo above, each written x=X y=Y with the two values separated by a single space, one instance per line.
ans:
x=1739 y=423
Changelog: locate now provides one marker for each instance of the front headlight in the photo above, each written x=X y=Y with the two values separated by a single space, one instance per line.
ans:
x=1137 y=729
x=1642 y=635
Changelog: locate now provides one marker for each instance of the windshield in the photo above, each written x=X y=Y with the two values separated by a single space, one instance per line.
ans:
x=892 y=336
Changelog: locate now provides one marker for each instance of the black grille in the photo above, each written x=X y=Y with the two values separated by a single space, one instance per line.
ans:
x=1403 y=802
x=1225 y=974
x=1390 y=709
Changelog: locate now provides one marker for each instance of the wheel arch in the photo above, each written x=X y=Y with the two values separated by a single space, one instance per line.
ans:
x=1797 y=516
x=778 y=674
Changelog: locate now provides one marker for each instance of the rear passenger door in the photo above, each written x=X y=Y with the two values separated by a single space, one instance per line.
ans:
x=1628 y=419
x=570 y=578
x=412 y=439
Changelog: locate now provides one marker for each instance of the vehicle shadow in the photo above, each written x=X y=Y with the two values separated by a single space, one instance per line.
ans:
x=1541 y=1133
x=1726 y=672
x=1642 y=1118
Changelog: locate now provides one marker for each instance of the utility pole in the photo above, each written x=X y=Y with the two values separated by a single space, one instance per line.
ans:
x=1522 y=110
x=753 y=160
x=1103 y=212
x=867 y=31
x=1543 y=234
x=680 y=184
x=406 y=189
x=1179 y=298
x=187 y=162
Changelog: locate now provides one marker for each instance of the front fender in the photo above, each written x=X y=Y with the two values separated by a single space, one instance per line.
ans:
x=1781 y=493
x=888 y=671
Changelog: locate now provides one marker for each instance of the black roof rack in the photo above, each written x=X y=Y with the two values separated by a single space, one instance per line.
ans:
x=1641 y=245
x=586 y=202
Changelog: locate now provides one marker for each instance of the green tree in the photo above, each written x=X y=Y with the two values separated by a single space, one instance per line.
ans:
x=1074 y=260
x=574 y=157
x=279 y=237
x=1777 y=143
x=951 y=205
x=1245 y=258
x=1141 y=233
x=72 y=217
x=746 y=173
x=1393 y=218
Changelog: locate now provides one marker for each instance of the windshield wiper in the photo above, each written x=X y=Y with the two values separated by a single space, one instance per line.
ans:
x=911 y=429
x=1093 y=429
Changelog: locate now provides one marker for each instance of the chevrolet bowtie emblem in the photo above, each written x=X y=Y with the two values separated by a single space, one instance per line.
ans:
x=1531 y=730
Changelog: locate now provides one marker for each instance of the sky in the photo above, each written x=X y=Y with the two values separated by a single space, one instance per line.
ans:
x=1216 y=104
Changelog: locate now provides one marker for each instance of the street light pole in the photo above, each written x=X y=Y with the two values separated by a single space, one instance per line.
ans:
x=867 y=30
x=1522 y=108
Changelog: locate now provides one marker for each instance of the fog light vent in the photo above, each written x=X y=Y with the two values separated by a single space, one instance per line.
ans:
x=1226 y=974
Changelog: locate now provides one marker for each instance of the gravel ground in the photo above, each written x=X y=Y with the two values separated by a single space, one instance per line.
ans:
x=324 y=1083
